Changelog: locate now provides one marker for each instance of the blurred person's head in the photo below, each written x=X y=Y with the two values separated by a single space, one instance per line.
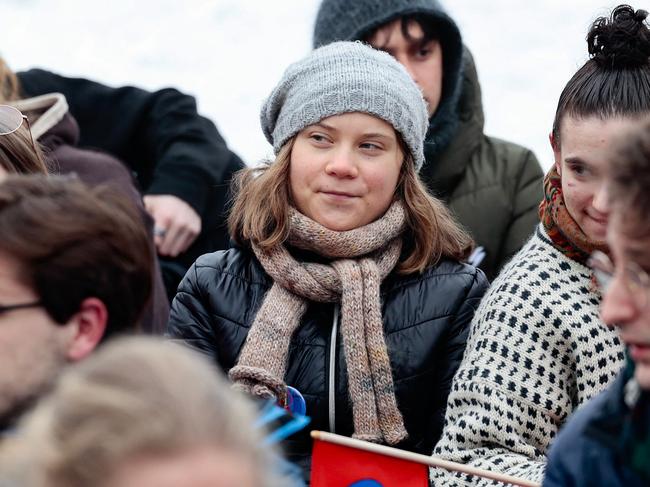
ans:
x=418 y=33
x=19 y=153
x=606 y=96
x=347 y=124
x=75 y=269
x=626 y=301
x=142 y=412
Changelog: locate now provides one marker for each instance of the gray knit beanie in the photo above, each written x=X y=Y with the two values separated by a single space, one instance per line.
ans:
x=346 y=77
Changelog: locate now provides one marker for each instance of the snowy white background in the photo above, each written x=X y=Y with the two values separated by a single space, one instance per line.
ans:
x=230 y=53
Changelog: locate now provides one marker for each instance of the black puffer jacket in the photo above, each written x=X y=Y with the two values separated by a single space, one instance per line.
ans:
x=426 y=321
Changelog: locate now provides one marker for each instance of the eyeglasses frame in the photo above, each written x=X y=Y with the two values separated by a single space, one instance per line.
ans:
x=637 y=280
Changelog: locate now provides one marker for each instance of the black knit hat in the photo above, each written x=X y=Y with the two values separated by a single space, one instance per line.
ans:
x=347 y=20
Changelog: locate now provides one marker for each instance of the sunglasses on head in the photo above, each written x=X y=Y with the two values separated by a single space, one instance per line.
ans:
x=11 y=119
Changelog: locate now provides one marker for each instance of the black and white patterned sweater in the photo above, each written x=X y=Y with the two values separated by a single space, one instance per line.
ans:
x=537 y=350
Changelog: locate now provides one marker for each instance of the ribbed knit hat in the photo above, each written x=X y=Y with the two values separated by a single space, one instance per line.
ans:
x=346 y=77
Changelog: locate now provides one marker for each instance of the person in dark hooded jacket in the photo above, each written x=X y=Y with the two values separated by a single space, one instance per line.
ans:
x=492 y=186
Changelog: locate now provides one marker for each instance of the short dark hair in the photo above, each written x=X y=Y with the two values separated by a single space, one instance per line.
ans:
x=438 y=28
x=615 y=81
x=430 y=29
x=629 y=179
x=73 y=242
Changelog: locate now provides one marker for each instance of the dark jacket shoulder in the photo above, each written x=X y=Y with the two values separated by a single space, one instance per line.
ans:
x=491 y=185
x=587 y=452
x=241 y=264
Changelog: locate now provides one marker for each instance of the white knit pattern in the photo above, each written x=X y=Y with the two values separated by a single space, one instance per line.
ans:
x=537 y=350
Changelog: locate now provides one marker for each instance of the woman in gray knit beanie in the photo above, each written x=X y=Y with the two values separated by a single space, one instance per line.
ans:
x=345 y=295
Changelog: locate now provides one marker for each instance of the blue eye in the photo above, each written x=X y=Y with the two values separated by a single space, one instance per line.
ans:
x=319 y=139
x=370 y=146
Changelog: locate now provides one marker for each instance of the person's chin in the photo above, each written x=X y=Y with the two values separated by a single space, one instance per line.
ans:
x=337 y=223
x=597 y=230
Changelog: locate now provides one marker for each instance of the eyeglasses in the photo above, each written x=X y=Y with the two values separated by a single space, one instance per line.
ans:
x=11 y=307
x=11 y=120
x=636 y=279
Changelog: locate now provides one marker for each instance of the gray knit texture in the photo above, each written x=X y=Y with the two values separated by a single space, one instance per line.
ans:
x=345 y=77
x=346 y=20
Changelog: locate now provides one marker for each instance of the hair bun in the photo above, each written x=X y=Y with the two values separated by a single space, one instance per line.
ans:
x=621 y=40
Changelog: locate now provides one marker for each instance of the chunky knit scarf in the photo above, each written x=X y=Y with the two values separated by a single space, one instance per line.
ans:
x=360 y=260
x=561 y=228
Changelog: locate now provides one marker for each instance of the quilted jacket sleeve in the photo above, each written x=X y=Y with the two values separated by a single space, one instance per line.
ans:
x=455 y=347
x=189 y=320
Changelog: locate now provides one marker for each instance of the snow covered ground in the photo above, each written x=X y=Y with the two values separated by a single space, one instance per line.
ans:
x=230 y=53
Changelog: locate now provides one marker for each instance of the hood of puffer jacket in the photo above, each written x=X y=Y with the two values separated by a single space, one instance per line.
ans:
x=444 y=169
x=49 y=117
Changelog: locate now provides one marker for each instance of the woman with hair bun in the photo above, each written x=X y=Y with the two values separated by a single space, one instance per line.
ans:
x=537 y=348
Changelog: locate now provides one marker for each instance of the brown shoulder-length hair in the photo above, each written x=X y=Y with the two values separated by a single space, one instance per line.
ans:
x=260 y=213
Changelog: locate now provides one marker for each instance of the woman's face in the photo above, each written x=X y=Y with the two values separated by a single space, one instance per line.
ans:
x=344 y=170
x=581 y=161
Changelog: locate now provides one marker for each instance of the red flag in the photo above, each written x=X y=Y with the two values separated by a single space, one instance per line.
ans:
x=339 y=461
x=336 y=465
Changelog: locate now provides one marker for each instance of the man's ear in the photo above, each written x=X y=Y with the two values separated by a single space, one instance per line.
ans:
x=89 y=325
x=557 y=154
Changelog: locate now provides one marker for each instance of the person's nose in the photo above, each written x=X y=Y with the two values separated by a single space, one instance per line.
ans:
x=601 y=201
x=342 y=164
x=618 y=307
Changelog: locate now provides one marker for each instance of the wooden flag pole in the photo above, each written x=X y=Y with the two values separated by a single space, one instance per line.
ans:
x=418 y=458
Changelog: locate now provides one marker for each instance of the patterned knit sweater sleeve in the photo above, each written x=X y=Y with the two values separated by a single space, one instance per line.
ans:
x=536 y=351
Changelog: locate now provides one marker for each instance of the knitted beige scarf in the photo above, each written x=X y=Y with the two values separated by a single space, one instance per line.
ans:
x=361 y=259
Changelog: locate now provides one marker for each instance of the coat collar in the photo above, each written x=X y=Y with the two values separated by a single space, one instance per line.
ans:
x=44 y=112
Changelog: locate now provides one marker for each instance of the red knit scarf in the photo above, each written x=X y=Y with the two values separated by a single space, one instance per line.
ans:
x=562 y=229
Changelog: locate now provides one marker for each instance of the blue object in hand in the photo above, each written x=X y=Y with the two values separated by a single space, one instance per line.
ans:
x=295 y=402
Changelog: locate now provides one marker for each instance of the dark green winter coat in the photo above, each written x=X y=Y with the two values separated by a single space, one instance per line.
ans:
x=492 y=186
